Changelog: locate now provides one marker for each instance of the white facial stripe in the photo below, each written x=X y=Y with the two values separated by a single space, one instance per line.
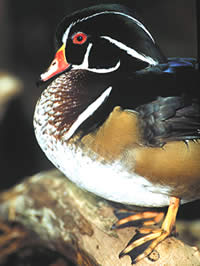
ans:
x=65 y=35
x=105 y=70
x=138 y=23
x=87 y=113
x=85 y=64
x=98 y=70
x=121 y=14
x=131 y=51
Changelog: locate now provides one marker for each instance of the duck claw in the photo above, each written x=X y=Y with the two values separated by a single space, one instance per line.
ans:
x=146 y=239
x=135 y=252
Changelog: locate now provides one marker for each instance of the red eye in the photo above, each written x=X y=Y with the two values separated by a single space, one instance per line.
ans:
x=79 y=38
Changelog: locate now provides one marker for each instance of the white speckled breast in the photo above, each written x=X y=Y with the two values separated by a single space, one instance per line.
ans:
x=110 y=181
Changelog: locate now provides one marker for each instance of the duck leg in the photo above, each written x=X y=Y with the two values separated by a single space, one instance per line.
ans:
x=146 y=239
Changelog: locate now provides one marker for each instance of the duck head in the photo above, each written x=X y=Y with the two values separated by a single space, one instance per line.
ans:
x=103 y=39
x=99 y=50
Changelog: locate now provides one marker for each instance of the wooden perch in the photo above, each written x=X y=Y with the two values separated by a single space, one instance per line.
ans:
x=77 y=224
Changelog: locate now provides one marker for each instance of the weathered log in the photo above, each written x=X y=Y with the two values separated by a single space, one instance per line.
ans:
x=77 y=224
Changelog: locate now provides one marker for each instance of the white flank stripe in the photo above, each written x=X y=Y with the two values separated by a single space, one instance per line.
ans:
x=131 y=51
x=87 y=113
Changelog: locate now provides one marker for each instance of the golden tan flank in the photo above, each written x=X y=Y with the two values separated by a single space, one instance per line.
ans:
x=170 y=165
x=176 y=164
x=116 y=135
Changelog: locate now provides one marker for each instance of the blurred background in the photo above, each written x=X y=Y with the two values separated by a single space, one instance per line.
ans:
x=27 y=47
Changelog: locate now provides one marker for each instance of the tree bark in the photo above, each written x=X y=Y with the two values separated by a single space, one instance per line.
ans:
x=77 y=224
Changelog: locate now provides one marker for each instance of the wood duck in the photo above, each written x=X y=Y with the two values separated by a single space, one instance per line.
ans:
x=121 y=120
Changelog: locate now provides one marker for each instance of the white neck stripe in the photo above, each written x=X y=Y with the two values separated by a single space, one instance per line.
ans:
x=85 y=64
x=131 y=51
x=98 y=70
x=87 y=113
x=65 y=35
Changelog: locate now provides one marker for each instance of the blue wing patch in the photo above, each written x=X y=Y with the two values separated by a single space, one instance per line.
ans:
x=175 y=63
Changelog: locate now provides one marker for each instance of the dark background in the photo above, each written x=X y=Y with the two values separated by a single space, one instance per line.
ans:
x=27 y=47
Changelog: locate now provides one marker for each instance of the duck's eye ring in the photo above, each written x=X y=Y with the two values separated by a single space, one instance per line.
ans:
x=79 y=38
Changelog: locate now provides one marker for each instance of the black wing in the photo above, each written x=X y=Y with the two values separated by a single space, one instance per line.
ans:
x=176 y=114
x=170 y=119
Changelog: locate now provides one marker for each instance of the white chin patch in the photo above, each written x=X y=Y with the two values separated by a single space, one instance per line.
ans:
x=105 y=70
x=85 y=64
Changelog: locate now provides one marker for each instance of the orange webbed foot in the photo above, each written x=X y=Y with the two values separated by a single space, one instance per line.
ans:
x=128 y=218
x=146 y=239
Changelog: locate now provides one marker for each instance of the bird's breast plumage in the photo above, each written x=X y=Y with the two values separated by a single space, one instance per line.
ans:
x=119 y=119
x=111 y=179
x=112 y=161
